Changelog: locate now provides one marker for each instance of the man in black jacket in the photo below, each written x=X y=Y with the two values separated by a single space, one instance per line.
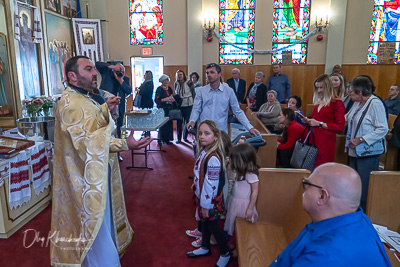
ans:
x=113 y=80
x=238 y=85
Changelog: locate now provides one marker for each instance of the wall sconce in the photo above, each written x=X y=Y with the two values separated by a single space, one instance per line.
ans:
x=208 y=29
x=321 y=24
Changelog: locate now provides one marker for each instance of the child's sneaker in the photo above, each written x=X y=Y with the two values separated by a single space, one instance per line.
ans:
x=193 y=233
x=197 y=243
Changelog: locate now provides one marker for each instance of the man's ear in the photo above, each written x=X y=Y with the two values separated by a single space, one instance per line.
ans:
x=72 y=76
x=323 y=197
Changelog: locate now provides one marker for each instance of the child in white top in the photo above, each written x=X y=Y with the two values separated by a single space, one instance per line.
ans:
x=209 y=171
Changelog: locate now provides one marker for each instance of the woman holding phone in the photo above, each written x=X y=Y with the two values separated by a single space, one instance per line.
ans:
x=327 y=119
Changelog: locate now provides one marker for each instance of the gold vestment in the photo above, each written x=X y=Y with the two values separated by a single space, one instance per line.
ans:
x=83 y=150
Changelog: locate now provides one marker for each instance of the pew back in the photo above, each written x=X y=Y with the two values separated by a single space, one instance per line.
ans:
x=383 y=199
x=281 y=217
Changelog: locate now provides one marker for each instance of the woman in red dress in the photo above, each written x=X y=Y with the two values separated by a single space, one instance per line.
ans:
x=327 y=119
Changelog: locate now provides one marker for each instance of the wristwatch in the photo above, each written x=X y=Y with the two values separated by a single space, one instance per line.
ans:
x=321 y=123
x=361 y=139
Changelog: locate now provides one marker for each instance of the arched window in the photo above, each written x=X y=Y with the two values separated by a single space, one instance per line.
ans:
x=236 y=25
x=384 y=36
x=146 y=22
x=291 y=22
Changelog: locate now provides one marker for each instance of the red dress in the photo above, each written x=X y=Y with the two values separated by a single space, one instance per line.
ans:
x=325 y=139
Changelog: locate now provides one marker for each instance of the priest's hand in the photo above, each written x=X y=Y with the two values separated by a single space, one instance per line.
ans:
x=113 y=101
x=137 y=144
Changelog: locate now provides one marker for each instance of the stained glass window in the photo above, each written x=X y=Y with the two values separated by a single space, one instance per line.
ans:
x=384 y=37
x=291 y=22
x=236 y=26
x=146 y=20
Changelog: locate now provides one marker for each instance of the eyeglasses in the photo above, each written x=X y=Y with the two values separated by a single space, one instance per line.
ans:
x=305 y=182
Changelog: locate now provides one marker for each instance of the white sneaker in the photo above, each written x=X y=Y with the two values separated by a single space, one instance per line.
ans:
x=197 y=243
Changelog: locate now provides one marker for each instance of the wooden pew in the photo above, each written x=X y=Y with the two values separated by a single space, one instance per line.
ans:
x=389 y=159
x=383 y=203
x=340 y=155
x=281 y=217
x=383 y=199
x=267 y=153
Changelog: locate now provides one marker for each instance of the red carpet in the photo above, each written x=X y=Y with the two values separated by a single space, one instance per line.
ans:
x=160 y=209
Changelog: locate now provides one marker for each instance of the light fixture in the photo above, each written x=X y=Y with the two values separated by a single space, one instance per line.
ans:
x=320 y=24
x=208 y=27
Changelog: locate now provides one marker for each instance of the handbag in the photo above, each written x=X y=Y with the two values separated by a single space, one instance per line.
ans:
x=304 y=153
x=175 y=113
x=137 y=100
x=365 y=150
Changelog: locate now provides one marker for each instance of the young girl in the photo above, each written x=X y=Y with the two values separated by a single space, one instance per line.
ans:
x=242 y=201
x=209 y=171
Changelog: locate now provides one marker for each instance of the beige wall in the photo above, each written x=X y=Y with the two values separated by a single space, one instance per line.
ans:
x=358 y=25
x=174 y=48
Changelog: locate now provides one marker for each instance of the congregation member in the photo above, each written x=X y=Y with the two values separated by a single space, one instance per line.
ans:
x=280 y=83
x=292 y=132
x=393 y=101
x=194 y=77
x=165 y=99
x=295 y=105
x=185 y=89
x=340 y=234
x=257 y=92
x=338 y=69
x=366 y=124
x=113 y=80
x=87 y=189
x=269 y=111
x=238 y=85
x=348 y=103
x=146 y=90
x=212 y=102
x=327 y=119
x=338 y=84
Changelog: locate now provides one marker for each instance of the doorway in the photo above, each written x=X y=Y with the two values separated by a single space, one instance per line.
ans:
x=139 y=65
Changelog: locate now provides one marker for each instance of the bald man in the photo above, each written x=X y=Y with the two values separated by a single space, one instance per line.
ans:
x=340 y=234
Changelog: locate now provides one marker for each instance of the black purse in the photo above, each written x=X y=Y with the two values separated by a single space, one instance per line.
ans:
x=304 y=153
x=175 y=113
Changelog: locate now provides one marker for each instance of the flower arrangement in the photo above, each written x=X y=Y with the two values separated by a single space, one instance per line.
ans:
x=43 y=103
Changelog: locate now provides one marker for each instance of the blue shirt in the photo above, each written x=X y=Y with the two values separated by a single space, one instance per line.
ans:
x=210 y=104
x=393 y=105
x=347 y=240
x=280 y=84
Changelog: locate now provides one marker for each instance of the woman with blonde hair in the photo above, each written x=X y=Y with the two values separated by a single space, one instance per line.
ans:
x=327 y=119
x=338 y=84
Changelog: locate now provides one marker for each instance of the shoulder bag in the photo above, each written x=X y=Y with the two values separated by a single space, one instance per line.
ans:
x=304 y=153
x=175 y=113
x=365 y=150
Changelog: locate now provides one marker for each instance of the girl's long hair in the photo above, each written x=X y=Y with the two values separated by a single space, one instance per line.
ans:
x=217 y=146
x=243 y=160
x=340 y=91
x=328 y=93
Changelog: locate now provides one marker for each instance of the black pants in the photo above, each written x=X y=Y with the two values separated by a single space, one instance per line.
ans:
x=212 y=228
x=186 y=116
x=364 y=165
x=284 y=157
x=120 y=121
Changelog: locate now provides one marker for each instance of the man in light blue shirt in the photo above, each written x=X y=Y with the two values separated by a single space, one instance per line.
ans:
x=212 y=102
x=340 y=234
